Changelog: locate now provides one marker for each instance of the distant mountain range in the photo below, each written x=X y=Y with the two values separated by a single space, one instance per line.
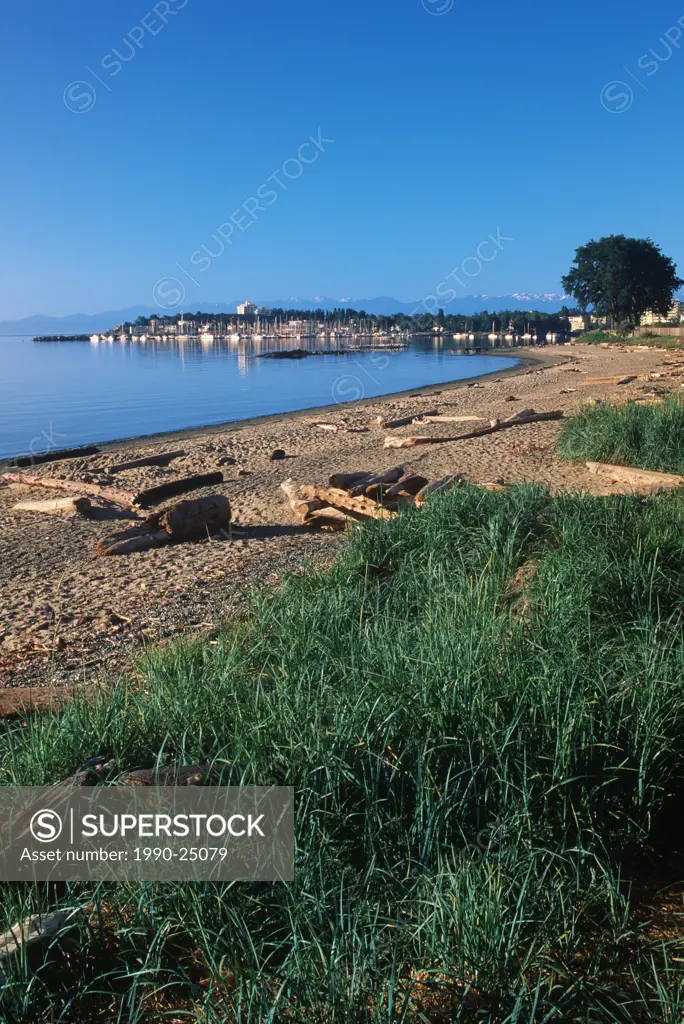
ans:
x=82 y=323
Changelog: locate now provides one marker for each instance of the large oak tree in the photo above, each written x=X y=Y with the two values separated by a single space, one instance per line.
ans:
x=622 y=278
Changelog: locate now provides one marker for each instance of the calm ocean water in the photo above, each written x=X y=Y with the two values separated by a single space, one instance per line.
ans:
x=56 y=395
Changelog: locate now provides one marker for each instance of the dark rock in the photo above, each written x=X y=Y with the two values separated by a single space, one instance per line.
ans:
x=277 y=453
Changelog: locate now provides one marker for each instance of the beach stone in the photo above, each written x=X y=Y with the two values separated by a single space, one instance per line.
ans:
x=277 y=454
x=226 y=460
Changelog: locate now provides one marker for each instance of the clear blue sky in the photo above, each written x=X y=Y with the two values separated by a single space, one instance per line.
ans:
x=448 y=124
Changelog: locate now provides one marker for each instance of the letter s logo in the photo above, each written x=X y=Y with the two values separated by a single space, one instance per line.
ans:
x=46 y=826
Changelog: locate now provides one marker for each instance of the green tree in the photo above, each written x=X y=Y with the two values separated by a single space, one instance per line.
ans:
x=622 y=277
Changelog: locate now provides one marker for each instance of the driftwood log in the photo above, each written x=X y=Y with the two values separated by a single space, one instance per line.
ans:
x=520 y=419
x=83 y=506
x=187 y=520
x=409 y=484
x=445 y=484
x=431 y=418
x=148 y=460
x=389 y=476
x=637 y=477
x=55 y=456
x=339 y=499
x=403 y=421
x=113 y=494
x=175 y=488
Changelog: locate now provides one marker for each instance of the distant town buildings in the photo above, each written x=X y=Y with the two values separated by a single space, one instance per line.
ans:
x=247 y=309
x=674 y=316
x=580 y=322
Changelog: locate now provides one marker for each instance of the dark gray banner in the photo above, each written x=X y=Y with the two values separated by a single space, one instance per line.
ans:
x=122 y=833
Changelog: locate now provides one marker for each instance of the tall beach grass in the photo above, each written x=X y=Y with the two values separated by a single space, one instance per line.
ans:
x=481 y=709
x=642 y=436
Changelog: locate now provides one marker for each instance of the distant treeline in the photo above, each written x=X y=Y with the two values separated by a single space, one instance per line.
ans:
x=515 y=321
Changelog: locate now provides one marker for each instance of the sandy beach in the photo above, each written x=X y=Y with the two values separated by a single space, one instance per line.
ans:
x=70 y=617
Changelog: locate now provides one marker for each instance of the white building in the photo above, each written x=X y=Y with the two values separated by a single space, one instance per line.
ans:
x=674 y=316
x=247 y=309
x=581 y=322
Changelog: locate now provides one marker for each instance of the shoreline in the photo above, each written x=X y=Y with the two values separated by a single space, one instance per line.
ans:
x=70 y=617
x=229 y=426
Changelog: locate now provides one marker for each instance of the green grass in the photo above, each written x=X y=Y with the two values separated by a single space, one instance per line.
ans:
x=481 y=708
x=642 y=436
x=668 y=341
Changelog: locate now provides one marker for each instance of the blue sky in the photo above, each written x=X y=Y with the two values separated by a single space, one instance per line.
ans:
x=451 y=121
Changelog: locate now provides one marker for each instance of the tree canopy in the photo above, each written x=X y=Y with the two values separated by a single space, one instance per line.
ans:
x=622 y=277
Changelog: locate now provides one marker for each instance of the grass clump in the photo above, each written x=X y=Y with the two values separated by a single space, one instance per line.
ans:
x=481 y=709
x=642 y=436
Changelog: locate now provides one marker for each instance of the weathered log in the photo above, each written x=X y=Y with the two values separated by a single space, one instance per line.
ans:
x=410 y=442
x=300 y=507
x=427 y=418
x=135 y=539
x=148 y=460
x=114 y=494
x=81 y=505
x=35 y=929
x=523 y=414
x=175 y=488
x=339 y=499
x=330 y=518
x=410 y=483
x=403 y=421
x=187 y=520
x=390 y=476
x=56 y=456
x=446 y=483
x=348 y=480
x=403 y=498
x=495 y=425
x=638 y=477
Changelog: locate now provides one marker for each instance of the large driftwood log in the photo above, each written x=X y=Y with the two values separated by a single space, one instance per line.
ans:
x=638 y=477
x=81 y=505
x=336 y=498
x=446 y=483
x=24 y=461
x=410 y=483
x=403 y=421
x=431 y=418
x=113 y=494
x=347 y=480
x=148 y=460
x=390 y=476
x=187 y=520
x=175 y=488
x=520 y=419
x=300 y=507
x=330 y=518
